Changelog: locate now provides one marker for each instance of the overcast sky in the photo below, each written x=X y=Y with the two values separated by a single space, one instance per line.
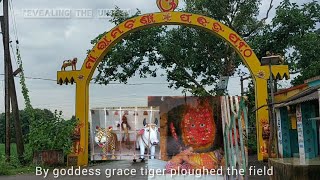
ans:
x=45 y=43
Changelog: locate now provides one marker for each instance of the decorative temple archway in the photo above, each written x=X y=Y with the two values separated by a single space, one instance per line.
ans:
x=83 y=76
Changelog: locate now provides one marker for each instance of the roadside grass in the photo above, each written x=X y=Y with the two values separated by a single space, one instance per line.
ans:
x=13 y=167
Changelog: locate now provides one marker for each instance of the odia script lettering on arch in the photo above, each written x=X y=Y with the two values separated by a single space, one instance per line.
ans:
x=104 y=43
x=147 y=19
x=203 y=21
x=129 y=24
x=241 y=45
x=217 y=27
x=115 y=32
x=186 y=18
x=90 y=60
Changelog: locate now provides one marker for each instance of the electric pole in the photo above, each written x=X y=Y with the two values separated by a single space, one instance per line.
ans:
x=5 y=33
x=241 y=82
x=272 y=113
x=10 y=93
x=269 y=61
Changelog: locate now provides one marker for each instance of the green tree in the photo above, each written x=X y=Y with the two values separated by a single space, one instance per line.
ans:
x=51 y=132
x=252 y=135
x=192 y=59
x=25 y=121
x=293 y=32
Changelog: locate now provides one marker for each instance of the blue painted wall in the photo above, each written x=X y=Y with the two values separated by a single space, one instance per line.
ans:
x=285 y=127
x=314 y=83
x=308 y=111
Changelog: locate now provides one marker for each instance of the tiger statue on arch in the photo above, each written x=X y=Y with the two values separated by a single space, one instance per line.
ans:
x=70 y=62
x=106 y=140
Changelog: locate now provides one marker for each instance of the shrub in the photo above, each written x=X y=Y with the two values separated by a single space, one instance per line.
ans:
x=49 y=131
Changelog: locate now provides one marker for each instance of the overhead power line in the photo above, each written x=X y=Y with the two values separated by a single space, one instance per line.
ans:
x=129 y=84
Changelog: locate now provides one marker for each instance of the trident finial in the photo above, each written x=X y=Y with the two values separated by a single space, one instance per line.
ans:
x=167 y=5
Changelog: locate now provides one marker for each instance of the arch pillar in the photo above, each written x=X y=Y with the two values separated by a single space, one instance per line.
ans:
x=261 y=94
x=82 y=113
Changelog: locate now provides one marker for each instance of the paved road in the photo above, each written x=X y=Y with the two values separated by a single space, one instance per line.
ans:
x=116 y=165
x=253 y=161
x=121 y=166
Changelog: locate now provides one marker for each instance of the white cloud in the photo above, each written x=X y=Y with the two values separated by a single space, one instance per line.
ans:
x=45 y=43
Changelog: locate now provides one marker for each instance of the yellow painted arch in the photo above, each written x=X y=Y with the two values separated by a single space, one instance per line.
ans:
x=83 y=77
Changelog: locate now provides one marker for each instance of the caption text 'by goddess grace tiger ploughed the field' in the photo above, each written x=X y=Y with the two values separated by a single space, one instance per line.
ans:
x=108 y=173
